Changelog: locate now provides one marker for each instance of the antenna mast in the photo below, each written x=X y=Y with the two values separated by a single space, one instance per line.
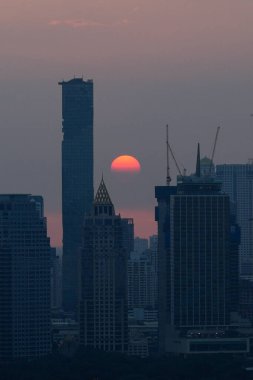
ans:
x=168 y=178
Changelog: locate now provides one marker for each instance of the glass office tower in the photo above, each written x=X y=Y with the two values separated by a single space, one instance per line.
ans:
x=77 y=178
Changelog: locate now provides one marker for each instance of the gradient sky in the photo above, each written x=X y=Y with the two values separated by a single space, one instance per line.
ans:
x=188 y=63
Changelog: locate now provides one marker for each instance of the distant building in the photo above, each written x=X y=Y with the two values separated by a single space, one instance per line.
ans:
x=198 y=267
x=140 y=245
x=141 y=281
x=77 y=178
x=153 y=246
x=103 y=265
x=128 y=234
x=25 y=254
x=237 y=182
x=246 y=299
x=207 y=167
x=143 y=327
x=56 y=281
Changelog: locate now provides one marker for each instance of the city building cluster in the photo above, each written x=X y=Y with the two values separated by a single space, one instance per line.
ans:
x=186 y=290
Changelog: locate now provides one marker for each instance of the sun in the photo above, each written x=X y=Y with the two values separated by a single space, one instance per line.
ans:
x=125 y=163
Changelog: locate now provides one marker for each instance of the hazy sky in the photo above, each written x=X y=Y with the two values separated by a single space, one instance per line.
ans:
x=188 y=63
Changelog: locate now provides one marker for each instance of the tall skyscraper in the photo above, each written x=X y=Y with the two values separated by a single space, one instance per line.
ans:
x=103 y=304
x=198 y=267
x=25 y=328
x=237 y=182
x=77 y=177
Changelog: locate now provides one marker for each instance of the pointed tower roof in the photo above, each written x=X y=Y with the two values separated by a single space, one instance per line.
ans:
x=102 y=197
x=198 y=172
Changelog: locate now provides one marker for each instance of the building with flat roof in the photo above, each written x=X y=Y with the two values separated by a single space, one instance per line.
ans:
x=77 y=178
x=237 y=182
x=25 y=258
x=198 y=242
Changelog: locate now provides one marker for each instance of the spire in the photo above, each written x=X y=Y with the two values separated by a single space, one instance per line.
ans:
x=198 y=173
x=102 y=197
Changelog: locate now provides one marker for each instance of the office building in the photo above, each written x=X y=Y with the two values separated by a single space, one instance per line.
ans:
x=77 y=178
x=128 y=234
x=140 y=245
x=198 y=267
x=153 y=246
x=141 y=281
x=24 y=278
x=56 y=280
x=237 y=182
x=103 y=266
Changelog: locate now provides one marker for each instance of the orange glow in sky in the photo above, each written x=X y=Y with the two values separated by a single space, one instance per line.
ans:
x=125 y=164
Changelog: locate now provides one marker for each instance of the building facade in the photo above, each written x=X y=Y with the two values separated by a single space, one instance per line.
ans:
x=141 y=281
x=24 y=278
x=197 y=264
x=77 y=178
x=56 y=281
x=237 y=182
x=103 y=266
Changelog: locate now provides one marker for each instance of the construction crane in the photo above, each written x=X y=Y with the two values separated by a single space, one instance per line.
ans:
x=168 y=177
x=214 y=148
x=169 y=150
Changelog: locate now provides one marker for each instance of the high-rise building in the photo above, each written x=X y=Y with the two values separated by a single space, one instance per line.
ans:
x=103 y=266
x=141 y=281
x=77 y=177
x=56 y=289
x=24 y=278
x=237 y=182
x=153 y=245
x=128 y=234
x=198 y=267
x=140 y=245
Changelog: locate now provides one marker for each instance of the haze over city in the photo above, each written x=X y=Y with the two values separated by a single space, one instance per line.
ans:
x=185 y=63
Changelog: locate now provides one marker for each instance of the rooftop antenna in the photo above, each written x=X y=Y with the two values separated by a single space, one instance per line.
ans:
x=168 y=177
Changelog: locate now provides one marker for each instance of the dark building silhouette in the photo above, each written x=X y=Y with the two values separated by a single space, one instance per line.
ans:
x=246 y=299
x=25 y=255
x=77 y=177
x=128 y=234
x=198 y=243
x=237 y=182
x=103 y=265
x=56 y=288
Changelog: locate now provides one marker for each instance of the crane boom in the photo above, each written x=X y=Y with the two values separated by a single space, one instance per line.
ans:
x=214 y=148
x=168 y=178
x=174 y=159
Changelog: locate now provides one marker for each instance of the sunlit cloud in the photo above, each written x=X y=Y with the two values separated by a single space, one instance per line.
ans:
x=82 y=23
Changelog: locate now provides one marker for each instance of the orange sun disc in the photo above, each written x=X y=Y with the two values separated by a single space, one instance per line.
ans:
x=125 y=164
